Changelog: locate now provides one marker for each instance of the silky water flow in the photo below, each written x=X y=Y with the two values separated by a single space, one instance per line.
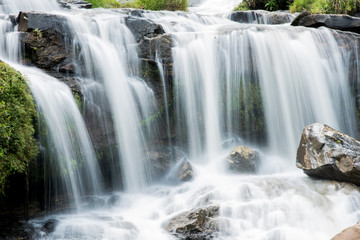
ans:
x=227 y=78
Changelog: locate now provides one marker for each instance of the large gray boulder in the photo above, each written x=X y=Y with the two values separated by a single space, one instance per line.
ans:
x=243 y=159
x=44 y=39
x=142 y=27
x=29 y=21
x=198 y=224
x=350 y=233
x=334 y=21
x=326 y=153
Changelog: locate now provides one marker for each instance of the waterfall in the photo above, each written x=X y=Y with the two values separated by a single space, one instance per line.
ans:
x=73 y=168
x=232 y=84
x=108 y=51
x=266 y=70
x=14 y=6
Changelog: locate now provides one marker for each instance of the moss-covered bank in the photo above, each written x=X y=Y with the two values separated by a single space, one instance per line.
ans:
x=350 y=7
x=17 y=119
x=171 y=5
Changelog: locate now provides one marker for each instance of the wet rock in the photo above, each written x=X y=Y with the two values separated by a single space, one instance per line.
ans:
x=262 y=17
x=243 y=159
x=29 y=21
x=142 y=27
x=351 y=233
x=46 y=50
x=136 y=13
x=326 y=153
x=334 y=21
x=161 y=160
x=157 y=47
x=44 y=39
x=185 y=171
x=49 y=226
x=75 y=4
x=197 y=224
x=170 y=163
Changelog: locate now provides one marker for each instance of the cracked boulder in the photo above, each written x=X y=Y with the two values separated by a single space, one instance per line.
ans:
x=327 y=153
x=199 y=224
x=243 y=159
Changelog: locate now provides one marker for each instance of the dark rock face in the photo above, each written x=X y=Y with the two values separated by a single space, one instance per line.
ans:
x=334 y=21
x=29 y=21
x=160 y=45
x=47 y=51
x=262 y=17
x=351 y=233
x=326 y=153
x=158 y=48
x=199 y=224
x=46 y=41
x=142 y=27
x=243 y=159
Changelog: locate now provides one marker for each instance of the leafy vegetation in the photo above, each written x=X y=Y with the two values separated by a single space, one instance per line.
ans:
x=243 y=6
x=271 y=5
x=171 y=5
x=326 y=6
x=17 y=113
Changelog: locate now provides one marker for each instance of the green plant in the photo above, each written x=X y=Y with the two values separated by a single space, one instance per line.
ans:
x=38 y=34
x=242 y=7
x=272 y=5
x=17 y=113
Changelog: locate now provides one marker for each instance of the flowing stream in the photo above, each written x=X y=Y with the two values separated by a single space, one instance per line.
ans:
x=229 y=79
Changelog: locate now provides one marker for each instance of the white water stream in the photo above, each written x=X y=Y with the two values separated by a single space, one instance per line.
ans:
x=302 y=75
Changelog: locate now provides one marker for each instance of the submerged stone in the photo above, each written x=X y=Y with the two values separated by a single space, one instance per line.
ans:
x=327 y=153
x=243 y=159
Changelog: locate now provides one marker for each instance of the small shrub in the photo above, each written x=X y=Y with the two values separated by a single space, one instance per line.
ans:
x=17 y=113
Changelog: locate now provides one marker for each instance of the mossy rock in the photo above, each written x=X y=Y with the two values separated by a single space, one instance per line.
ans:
x=17 y=119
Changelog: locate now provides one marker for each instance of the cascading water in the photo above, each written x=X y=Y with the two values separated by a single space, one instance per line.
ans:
x=271 y=64
x=229 y=79
x=14 y=6
x=109 y=45
x=73 y=167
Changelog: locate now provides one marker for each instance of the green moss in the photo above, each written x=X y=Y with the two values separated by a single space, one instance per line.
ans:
x=171 y=5
x=38 y=34
x=17 y=113
x=242 y=7
x=326 y=6
x=78 y=100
